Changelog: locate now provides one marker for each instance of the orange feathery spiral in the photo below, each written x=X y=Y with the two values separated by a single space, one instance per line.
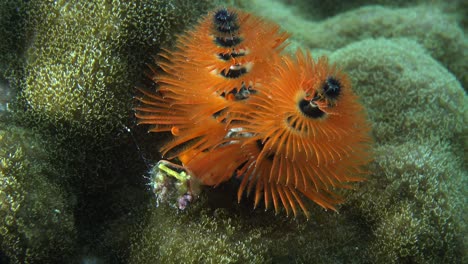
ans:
x=310 y=132
x=231 y=50
x=214 y=67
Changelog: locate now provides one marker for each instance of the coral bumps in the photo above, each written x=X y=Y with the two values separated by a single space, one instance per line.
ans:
x=36 y=217
x=85 y=58
x=415 y=197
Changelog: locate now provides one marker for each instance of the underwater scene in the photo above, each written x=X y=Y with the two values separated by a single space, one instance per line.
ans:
x=233 y=131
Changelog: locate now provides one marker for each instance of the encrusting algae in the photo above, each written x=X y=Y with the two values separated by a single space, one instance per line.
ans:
x=285 y=126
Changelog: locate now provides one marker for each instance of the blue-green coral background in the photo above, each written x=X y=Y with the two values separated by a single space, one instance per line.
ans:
x=72 y=160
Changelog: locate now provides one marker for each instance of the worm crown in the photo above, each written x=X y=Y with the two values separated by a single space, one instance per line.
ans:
x=288 y=127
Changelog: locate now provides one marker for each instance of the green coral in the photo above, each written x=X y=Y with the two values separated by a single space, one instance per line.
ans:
x=408 y=95
x=86 y=57
x=438 y=31
x=414 y=198
x=328 y=8
x=216 y=231
x=12 y=46
x=75 y=66
x=36 y=218
x=12 y=30
x=415 y=204
x=170 y=237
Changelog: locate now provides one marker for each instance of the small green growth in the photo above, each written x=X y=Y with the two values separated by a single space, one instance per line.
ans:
x=171 y=184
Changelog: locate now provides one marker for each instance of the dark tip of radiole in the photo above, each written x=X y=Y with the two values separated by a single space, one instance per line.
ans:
x=225 y=21
x=228 y=42
x=332 y=88
x=234 y=73
x=229 y=56
x=223 y=15
x=310 y=109
x=224 y=56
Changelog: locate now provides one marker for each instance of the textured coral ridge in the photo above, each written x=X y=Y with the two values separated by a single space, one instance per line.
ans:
x=287 y=126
